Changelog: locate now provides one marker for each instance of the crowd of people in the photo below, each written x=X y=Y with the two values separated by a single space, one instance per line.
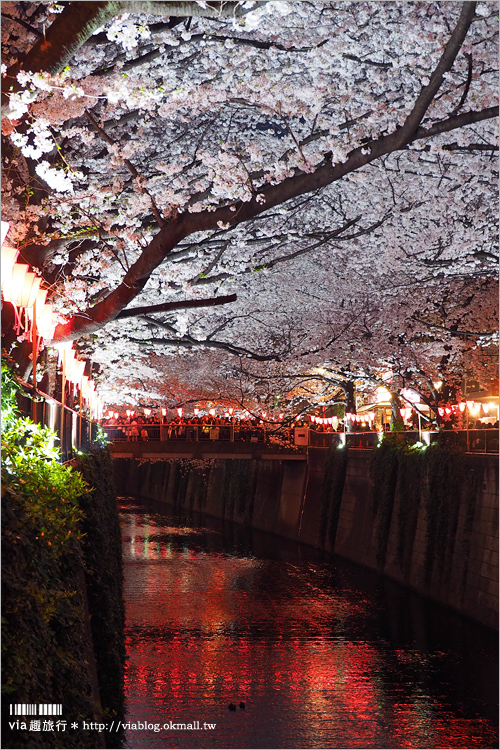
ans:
x=252 y=429
x=204 y=427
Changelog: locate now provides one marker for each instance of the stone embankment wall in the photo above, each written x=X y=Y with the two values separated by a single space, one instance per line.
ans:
x=431 y=525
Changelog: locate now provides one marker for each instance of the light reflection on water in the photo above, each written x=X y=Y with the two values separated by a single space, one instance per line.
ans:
x=322 y=654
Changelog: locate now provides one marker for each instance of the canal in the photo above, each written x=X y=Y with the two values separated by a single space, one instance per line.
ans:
x=322 y=653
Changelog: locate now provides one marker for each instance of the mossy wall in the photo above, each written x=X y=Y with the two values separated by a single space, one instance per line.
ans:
x=104 y=581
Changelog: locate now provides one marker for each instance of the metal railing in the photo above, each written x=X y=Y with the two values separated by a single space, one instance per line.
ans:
x=197 y=433
x=473 y=441
x=75 y=432
x=477 y=441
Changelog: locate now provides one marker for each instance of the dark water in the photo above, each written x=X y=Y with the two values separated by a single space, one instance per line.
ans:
x=323 y=653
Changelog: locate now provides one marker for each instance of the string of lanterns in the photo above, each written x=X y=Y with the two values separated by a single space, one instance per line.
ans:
x=22 y=288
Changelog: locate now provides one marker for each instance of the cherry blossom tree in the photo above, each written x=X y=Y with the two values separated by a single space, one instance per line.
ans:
x=223 y=188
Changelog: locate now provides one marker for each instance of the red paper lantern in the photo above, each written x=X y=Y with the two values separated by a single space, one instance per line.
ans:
x=4 y=229
x=12 y=285
x=9 y=257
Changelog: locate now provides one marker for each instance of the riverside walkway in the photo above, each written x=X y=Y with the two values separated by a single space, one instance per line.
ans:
x=289 y=443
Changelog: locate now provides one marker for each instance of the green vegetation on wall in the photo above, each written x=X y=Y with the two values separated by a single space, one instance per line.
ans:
x=44 y=646
x=61 y=552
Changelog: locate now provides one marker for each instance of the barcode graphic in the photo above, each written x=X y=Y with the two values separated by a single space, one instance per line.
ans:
x=36 y=709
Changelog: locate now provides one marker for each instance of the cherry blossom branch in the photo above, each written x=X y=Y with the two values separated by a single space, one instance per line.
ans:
x=301 y=183
x=453 y=332
x=133 y=171
x=179 y=305
x=71 y=29
x=191 y=343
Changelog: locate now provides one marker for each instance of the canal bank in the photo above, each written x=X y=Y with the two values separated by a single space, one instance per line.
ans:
x=432 y=526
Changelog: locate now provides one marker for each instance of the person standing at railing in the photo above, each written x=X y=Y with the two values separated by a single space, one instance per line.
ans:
x=134 y=431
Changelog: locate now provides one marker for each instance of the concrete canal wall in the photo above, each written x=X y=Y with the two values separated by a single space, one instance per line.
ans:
x=434 y=529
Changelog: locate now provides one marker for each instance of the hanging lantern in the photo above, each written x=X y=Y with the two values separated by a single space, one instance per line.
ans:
x=462 y=406
x=46 y=323
x=163 y=411
x=12 y=284
x=4 y=229
x=9 y=257
x=179 y=412
x=27 y=289
x=196 y=412
x=39 y=302
x=84 y=386
x=212 y=412
x=231 y=410
x=75 y=372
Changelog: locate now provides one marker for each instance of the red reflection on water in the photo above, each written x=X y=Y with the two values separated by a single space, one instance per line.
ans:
x=205 y=630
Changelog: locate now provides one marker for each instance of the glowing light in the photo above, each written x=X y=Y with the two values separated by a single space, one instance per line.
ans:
x=29 y=290
x=12 y=284
x=9 y=257
x=231 y=410
x=382 y=394
x=179 y=411
x=212 y=412
x=40 y=302
x=163 y=411
x=46 y=322
x=196 y=412
x=4 y=230
x=147 y=412
x=410 y=395
x=462 y=406
x=438 y=385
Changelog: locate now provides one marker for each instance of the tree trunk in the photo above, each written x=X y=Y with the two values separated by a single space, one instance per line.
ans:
x=350 y=404
x=396 y=418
